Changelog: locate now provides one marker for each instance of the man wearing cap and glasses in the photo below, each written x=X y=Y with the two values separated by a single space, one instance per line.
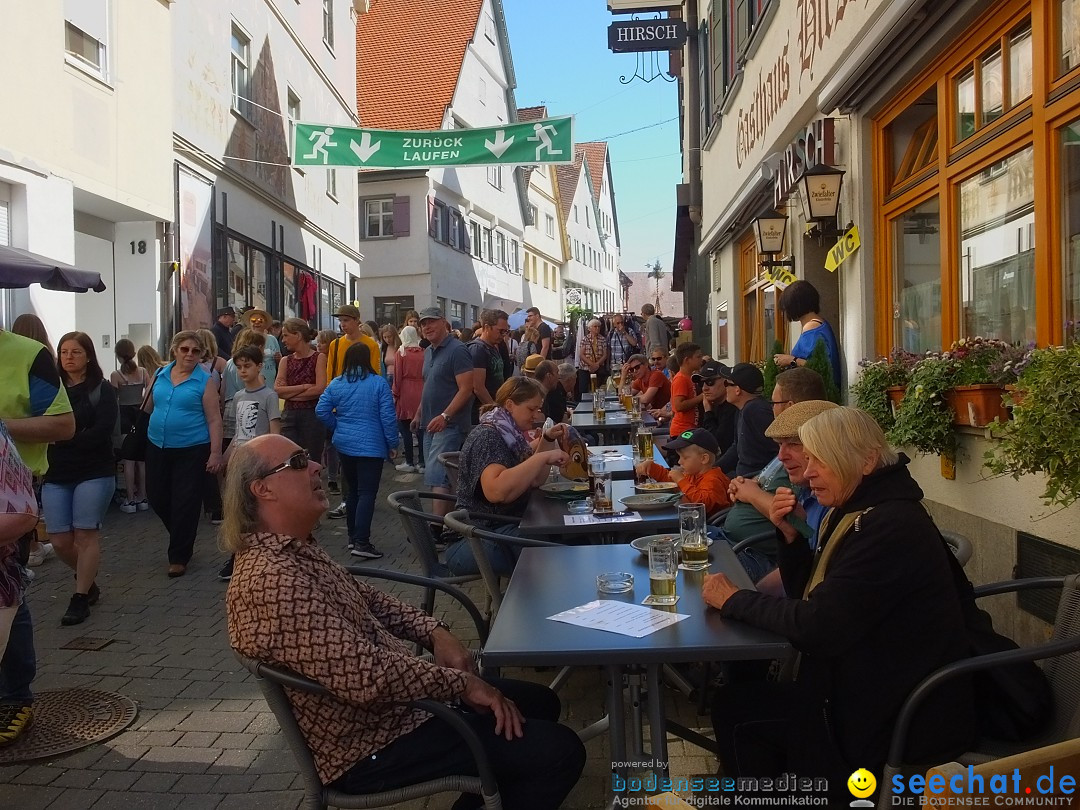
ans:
x=445 y=403
x=489 y=370
x=223 y=334
x=720 y=415
x=752 y=449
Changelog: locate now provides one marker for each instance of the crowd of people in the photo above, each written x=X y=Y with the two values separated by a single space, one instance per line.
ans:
x=271 y=418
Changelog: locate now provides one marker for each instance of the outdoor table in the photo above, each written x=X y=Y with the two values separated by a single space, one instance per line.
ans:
x=550 y=580
x=544 y=516
x=610 y=404
x=620 y=469
x=615 y=429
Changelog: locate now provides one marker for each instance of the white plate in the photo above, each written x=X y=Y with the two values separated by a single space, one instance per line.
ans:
x=649 y=501
x=657 y=486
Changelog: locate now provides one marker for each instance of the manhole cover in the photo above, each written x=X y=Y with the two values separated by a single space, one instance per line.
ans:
x=66 y=720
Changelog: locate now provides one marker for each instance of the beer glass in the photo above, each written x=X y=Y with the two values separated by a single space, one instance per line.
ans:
x=643 y=443
x=596 y=467
x=603 y=503
x=663 y=568
x=635 y=408
x=694 y=546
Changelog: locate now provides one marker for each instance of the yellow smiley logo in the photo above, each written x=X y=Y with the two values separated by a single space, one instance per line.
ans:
x=861 y=783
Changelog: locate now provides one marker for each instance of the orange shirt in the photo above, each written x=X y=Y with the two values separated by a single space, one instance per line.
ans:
x=681 y=421
x=709 y=487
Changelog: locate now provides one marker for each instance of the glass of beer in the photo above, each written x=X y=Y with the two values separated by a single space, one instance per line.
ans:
x=643 y=443
x=635 y=408
x=596 y=467
x=663 y=568
x=694 y=545
x=603 y=503
x=592 y=384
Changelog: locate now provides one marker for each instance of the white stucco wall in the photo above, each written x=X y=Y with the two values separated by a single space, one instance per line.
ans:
x=601 y=284
x=549 y=300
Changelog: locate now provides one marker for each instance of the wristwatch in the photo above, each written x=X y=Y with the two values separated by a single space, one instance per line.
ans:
x=445 y=416
x=443 y=625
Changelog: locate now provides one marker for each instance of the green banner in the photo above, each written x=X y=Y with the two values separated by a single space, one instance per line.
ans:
x=548 y=141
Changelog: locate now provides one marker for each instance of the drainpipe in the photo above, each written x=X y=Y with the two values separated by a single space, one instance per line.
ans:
x=693 y=102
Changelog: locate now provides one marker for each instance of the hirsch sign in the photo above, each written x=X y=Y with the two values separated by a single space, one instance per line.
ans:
x=548 y=141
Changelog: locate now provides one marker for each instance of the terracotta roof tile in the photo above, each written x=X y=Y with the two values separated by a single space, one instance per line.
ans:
x=596 y=154
x=408 y=59
x=532 y=113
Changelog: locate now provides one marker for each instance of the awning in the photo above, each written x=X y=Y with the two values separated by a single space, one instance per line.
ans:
x=21 y=268
x=684 y=238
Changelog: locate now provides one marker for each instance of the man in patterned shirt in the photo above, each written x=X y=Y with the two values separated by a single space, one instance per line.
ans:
x=289 y=604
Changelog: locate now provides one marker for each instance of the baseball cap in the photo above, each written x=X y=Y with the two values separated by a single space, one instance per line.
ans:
x=787 y=424
x=427 y=313
x=225 y=311
x=745 y=375
x=710 y=370
x=347 y=311
x=531 y=362
x=698 y=437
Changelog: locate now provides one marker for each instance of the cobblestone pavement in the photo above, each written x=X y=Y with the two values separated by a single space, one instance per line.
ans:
x=204 y=738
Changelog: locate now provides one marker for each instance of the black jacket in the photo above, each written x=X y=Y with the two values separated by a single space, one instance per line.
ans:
x=224 y=340
x=886 y=615
x=720 y=422
x=752 y=449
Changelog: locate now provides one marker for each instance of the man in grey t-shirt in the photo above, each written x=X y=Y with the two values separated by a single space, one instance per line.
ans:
x=656 y=331
x=444 y=403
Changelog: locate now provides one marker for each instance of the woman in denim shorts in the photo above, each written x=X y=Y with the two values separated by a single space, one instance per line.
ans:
x=82 y=471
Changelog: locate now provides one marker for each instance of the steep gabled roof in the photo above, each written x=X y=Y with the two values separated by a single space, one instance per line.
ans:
x=408 y=59
x=596 y=155
x=567 y=175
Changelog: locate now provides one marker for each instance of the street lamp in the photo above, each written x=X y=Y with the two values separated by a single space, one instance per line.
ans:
x=769 y=231
x=819 y=191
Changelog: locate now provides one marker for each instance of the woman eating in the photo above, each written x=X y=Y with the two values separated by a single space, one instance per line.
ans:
x=500 y=464
x=873 y=611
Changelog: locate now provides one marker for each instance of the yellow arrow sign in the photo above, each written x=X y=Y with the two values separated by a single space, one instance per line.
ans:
x=840 y=252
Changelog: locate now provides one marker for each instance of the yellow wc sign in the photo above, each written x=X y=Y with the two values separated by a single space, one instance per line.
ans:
x=839 y=252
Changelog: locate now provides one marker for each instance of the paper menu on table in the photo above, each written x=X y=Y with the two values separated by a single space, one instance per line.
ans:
x=619 y=617
x=587 y=520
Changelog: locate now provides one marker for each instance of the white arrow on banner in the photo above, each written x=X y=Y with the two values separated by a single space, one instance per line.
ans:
x=502 y=143
x=366 y=148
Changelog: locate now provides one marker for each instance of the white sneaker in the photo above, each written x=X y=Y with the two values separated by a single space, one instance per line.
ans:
x=39 y=555
x=419 y=468
x=128 y=507
x=405 y=468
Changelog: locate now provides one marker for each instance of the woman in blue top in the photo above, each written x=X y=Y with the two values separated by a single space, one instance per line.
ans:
x=800 y=302
x=184 y=442
x=358 y=408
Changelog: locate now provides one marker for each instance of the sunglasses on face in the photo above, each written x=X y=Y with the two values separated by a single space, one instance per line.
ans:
x=730 y=384
x=710 y=382
x=297 y=461
x=656 y=360
x=633 y=369
x=189 y=350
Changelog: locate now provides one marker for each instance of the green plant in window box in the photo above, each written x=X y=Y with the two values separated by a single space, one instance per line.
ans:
x=1044 y=434
x=871 y=391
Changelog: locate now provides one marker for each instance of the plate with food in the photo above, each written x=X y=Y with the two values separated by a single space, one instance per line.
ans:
x=651 y=501
x=657 y=486
x=641 y=544
x=564 y=489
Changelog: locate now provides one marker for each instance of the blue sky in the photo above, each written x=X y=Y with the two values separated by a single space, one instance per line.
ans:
x=561 y=59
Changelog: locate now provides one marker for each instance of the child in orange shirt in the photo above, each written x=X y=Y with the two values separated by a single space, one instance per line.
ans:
x=695 y=474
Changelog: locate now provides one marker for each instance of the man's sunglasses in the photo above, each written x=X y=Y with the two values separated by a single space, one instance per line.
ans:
x=297 y=461
x=657 y=360
x=632 y=369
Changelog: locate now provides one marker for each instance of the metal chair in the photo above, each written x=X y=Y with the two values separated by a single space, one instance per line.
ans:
x=451 y=463
x=273 y=681
x=417 y=523
x=960 y=546
x=460 y=521
x=1062 y=670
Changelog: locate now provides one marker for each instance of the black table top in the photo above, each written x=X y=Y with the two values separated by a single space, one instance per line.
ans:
x=547 y=581
x=544 y=516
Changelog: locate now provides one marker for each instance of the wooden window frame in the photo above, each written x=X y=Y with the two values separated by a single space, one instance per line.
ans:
x=1035 y=122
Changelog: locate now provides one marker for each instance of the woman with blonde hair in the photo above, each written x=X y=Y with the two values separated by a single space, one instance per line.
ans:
x=149 y=360
x=390 y=342
x=875 y=608
x=300 y=382
x=183 y=441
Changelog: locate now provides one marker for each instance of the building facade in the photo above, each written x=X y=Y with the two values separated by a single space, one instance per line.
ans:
x=85 y=159
x=250 y=230
x=956 y=125
x=447 y=237
x=545 y=251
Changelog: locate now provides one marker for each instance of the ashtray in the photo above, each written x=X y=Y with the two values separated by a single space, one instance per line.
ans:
x=615 y=582
x=583 y=507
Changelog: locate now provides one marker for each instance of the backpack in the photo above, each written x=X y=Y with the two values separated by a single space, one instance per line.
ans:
x=95 y=400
